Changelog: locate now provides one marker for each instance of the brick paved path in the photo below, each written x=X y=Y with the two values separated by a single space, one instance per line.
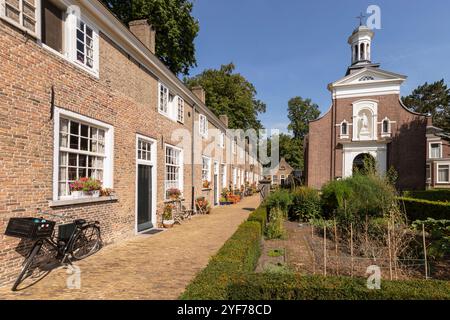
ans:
x=146 y=267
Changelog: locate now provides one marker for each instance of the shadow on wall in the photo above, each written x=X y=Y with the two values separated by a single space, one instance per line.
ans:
x=407 y=154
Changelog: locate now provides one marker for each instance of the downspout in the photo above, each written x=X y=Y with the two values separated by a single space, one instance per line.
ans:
x=193 y=159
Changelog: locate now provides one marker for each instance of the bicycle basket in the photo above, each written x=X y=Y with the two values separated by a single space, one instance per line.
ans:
x=30 y=228
x=65 y=231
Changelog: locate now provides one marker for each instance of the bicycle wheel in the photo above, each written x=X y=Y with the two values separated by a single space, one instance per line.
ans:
x=28 y=265
x=86 y=242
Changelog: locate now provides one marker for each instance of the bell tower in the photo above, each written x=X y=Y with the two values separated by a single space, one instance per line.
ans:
x=361 y=45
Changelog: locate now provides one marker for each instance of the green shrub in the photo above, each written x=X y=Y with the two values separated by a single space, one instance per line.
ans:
x=280 y=198
x=260 y=216
x=239 y=254
x=352 y=198
x=430 y=195
x=287 y=286
x=417 y=209
x=275 y=227
x=439 y=234
x=305 y=204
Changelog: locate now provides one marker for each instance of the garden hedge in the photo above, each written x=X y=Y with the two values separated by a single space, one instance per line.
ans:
x=430 y=195
x=297 y=287
x=239 y=254
x=418 y=209
x=260 y=216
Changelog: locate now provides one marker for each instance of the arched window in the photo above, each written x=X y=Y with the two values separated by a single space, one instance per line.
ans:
x=368 y=52
x=386 y=126
x=362 y=52
x=356 y=53
x=344 y=128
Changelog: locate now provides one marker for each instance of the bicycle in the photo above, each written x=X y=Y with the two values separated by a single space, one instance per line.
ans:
x=77 y=240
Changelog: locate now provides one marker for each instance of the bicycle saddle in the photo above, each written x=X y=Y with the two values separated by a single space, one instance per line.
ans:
x=80 y=222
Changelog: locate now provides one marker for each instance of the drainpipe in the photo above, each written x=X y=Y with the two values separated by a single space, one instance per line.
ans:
x=193 y=158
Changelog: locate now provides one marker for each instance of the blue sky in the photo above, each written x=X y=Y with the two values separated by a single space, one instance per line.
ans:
x=290 y=48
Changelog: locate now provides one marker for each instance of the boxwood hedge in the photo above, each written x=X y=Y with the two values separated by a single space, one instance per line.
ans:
x=297 y=287
x=430 y=195
x=418 y=209
x=239 y=254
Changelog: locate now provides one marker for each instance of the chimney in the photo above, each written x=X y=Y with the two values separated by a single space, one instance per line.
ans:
x=224 y=119
x=144 y=32
x=200 y=93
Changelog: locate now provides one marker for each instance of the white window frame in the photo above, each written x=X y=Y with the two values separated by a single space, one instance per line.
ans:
x=224 y=175
x=180 y=109
x=37 y=18
x=203 y=125
x=234 y=177
x=431 y=148
x=446 y=164
x=342 y=134
x=234 y=145
x=221 y=140
x=163 y=99
x=389 y=132
x=180 y=169
x=153 y=162
x=208 y=169
x=108 y=162
x=428 y=172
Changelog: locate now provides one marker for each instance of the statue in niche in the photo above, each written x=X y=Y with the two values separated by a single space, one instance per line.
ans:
x=364 y=124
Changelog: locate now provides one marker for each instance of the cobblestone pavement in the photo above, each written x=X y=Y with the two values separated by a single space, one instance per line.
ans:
x=146 y=267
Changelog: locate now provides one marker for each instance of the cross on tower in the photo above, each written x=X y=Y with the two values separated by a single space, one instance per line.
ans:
x=361 y=17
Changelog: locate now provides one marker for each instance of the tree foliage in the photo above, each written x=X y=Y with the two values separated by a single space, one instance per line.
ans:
x=229 y=93
x=176 y=28
x=300 y=113
x=432 y=98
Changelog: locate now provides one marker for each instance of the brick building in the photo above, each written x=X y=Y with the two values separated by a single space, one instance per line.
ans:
x=281 y=173
x=367 y=119
x=82 y=95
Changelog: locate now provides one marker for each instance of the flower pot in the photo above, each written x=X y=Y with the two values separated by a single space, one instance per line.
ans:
x=168 y=223
x=77 y=194
x=92 y=194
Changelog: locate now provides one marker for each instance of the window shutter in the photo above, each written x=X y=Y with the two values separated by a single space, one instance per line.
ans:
x=52 y=26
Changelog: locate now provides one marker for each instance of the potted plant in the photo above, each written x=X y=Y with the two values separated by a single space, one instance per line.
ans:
x=167 y=218
x=76 y=189
x=173 y=193
x=107 y=192
x=92 y=187
x=206 y=184
x=203 y=205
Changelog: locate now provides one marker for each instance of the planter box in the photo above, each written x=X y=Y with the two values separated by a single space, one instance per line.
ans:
x=85 y=194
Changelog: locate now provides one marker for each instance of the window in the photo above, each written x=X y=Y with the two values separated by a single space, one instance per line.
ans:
x=386 y=126
x=428 y=173
x=234 y=146
x=83 y=149
x=85 y=44
x=344 y=128
x=222 y=140
x=180 y=110
x=203 y=125
x=234 y=177
x=206 y=169
x=443 y=173
x=282 y=179
x=173 y=169
x=223 y=175
x=163 y=99
x=435 y=150
x=275 y=179
x=21 y=13
x=144 y=150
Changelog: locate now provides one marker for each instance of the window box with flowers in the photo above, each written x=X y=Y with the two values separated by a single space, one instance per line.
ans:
x=173 y=194
x=85 y=188
x=206 y=185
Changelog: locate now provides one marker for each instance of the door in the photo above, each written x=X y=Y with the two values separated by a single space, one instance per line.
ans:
x=145 y=204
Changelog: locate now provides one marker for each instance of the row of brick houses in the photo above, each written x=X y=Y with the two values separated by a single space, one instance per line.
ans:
x=82 y=95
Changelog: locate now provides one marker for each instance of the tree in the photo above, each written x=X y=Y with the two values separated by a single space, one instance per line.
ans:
x=289 y=148
x=300 y=112
x=176 y=28
x=229 y=93
x=434 y=99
